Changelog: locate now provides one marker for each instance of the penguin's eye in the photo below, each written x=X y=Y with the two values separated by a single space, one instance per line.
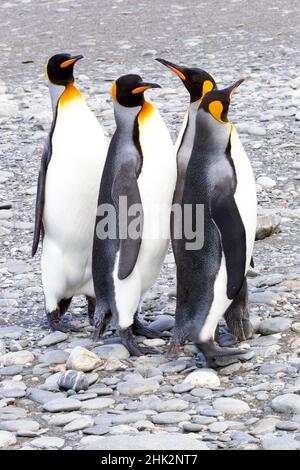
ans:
x=216 y=108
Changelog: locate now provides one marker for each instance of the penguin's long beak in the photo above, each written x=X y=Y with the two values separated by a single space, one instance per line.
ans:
x=71 y=61
x=232 y=89
x=143 y=86
x=178 y=69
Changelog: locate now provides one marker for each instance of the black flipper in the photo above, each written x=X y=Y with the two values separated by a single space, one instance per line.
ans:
x=125 y=184
x=252 y=262
x=226 y=215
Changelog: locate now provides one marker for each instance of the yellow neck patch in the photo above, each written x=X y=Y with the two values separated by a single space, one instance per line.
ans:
x=216 y=108
x=114 y=92
x=70 y=94
x=207 y=86
x=145 y=112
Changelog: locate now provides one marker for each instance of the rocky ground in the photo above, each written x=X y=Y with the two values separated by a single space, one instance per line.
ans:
x=151 y=402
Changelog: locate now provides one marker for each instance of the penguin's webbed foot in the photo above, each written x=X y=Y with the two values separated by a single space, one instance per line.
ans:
x=174 y=348
x=128 y=340
x=56 y=324
x=218 y=356
x=241 y=328
x=142 y=329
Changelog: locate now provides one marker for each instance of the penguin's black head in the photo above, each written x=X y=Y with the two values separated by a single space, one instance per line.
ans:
x=59 y=69
x=197 y=81
x=217 y=102
x=128 y=90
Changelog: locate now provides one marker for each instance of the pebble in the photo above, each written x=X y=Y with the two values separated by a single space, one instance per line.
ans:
x=156 y=404
x=117 y=351
x=266 y=182
x=63 y=418
x=54 y=357
x=163 y=323
x=62 y=404
x=279 y=443
x=42 y=396
x=97 y=403
x=25 y=425
x=182 y=388
x=287 y=403
x=231 y=406
x=83 y=360
x=170 y=417
x=192 y=427
x=79 y=424
x=98 y=430
x=46 y=442
x=132 y=389
x=7 y=439
x=218 y=426
x=203 y=378
x=73 y=380
x=54 y=338
x=156 y=442
x=17 y=358
x=264 y=425
x=274 y=325
x=288 y=426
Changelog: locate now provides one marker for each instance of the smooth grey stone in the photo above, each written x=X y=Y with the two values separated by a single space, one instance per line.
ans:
x=116 y=350
x=264 y=425
x=84 y=396
x=242 y=437
x=62 y=419
x=11 y=370
x=163 y=323
x=73 y=380
x=159 y=405
x=54 y=338
x=12 y=413
x=19 y=425
x=128 y=418
x=97 y=430
x=279 y=443
x=79 y=424
x=174 y=367
x=62 y=404
x=42 y=396
x=217 y=427
x=192 y=427
x=101 y=389
x=287 y=403
x=7 y=439
x=159 y=441
x=266 y=297
x=274 y=325
x=46 y=442
x=231 y=406
x=272 y=369
x=182 y=388
x=54 y=357
x=170 y=417
x=97 y=403
x=287 y=425
x=17 y=358
x=131 y=389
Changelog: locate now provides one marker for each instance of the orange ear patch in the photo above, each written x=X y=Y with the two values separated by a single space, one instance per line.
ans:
x=146 y=111
x=207 y=87
x=216 y=108
x=114 y=92
x=71 y=93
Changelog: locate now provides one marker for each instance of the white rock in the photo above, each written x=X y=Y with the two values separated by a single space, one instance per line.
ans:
x=203 y=378
x=231 y=406
x=97 y=403
x=46 y=442
x=80 y=423
x=83 y=360
x=287 y=403
x=17 y=358
x=7 y=439
x=266 y=182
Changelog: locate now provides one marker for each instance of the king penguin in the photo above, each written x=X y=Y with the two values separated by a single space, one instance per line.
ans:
x=210 y=279
x=198 y=82
x=140 y=167
x=68 y=184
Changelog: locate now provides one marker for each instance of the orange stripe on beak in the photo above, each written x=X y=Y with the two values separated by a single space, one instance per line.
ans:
x=140 y=89
x=180 y=74
x=66 y=63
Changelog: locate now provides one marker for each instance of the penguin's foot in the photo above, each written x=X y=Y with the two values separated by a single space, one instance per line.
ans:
x=101 y=318
x=56 y=324
x=91 y=309
x=128 y=340
x=174 y=348
x=241 y=328
x=217 y=356
x=142 y=329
